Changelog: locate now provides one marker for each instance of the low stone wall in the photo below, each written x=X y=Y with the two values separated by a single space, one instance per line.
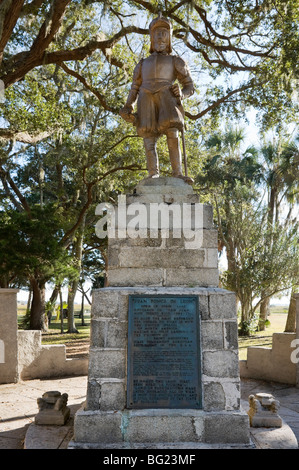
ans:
x=271 y=364
x=22 y=356
x=37 y=361
x=8 y=336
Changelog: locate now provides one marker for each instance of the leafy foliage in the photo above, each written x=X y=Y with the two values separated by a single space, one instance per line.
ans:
x=67 y=68
x=262 y=250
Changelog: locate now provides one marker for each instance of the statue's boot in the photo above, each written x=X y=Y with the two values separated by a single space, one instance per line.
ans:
x=150 y=145
x=175 y=155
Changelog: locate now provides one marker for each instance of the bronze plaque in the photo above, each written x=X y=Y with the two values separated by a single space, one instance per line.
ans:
x=163 y=352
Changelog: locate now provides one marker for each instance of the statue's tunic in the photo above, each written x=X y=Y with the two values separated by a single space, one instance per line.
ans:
x=157 y=107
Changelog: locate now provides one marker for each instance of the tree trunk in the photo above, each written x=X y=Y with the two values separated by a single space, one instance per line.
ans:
x=29 y=301
x=264 y=313
x=37 y=311
x=82 y=308
x=70 y=307
x=265 y=304
x=74 y=284
x=52 y=301
x=291 y=319
x=245 y=317
x=61 y=310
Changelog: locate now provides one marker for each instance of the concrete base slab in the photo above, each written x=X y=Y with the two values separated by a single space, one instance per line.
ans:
x=274 y=438
x=60 y=437
x=161 y=426
x=48 y=437
x=159 y=445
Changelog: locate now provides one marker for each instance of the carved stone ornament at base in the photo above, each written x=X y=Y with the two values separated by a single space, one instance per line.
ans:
x=263 y=411
x=52 y=409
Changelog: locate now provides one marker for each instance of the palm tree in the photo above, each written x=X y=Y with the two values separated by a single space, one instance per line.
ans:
x=228 y=176
x=249 y=230
x=280 y=177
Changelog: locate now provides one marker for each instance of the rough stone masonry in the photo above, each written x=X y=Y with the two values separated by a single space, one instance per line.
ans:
x=159 y=267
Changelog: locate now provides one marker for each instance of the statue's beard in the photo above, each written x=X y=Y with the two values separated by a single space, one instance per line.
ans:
x=161 y=47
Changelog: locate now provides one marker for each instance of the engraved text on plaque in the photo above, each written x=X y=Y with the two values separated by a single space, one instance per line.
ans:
x=163 y=352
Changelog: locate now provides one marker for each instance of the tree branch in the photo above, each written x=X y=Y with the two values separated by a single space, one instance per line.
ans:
x=219 y=47
x=11 y=9
x=66 y=238
x=221 y=100
x=9 y=193
x=202 y=13
x=178 y=5
x=5 y=174
x=24 y=136
x=223 y=62
x=30 y=59
x=81 y=79
x=26 y=61
x=50 y=27
x=31 y=7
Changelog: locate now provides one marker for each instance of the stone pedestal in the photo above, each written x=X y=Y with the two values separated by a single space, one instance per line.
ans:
x=165 y=266
x=169 y=255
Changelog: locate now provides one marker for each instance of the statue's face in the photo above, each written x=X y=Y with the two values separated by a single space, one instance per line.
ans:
x=161 y=38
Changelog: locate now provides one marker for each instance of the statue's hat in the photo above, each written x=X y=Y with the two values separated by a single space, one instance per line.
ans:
x=163 y=22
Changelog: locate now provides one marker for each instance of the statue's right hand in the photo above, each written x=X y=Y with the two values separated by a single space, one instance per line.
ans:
x=127 y=115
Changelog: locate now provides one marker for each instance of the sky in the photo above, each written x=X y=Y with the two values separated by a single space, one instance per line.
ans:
x=252 y=138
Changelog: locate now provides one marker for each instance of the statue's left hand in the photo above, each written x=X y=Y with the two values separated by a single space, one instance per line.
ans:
x=176 y=91
x=128 y=116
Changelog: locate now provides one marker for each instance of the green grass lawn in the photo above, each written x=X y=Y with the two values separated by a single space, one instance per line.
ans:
x=54 y=335
x=277 y=319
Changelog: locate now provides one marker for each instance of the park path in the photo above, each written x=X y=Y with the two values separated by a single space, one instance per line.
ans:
x=18 y=407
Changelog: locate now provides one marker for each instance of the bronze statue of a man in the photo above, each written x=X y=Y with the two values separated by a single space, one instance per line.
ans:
x=159 y=107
